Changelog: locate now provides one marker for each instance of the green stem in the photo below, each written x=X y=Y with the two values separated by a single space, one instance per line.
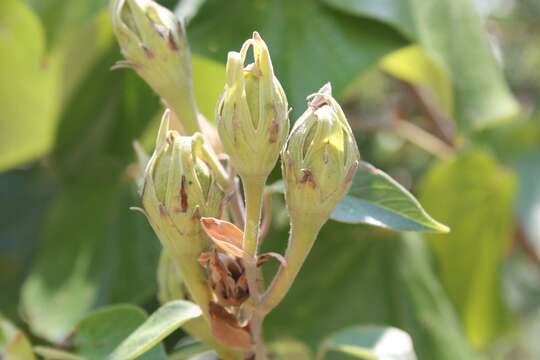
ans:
x=185 y=109
x=253 y=192
x=304 y=231
x=200 y=329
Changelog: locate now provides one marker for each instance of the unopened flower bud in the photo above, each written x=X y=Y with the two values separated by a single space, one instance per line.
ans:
x=180 y=187
x=154 y=43
x=320 y=157
x=252 y=112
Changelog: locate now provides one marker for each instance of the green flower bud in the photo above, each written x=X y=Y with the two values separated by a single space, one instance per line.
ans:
x=320 y=157
x=180 y=187
x=154 y=43
x=253 y=112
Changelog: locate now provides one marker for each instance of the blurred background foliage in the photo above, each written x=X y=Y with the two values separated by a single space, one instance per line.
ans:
x=441 y=94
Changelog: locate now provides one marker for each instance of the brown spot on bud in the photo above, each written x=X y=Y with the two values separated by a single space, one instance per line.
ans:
x=273 y=131
x=183 y=195
x=307 y=178
x=325 y=152
x=162 y=211
x=171 y=43
x=147 y=52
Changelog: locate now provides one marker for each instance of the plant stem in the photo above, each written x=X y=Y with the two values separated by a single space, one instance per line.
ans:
x=253 y=192
x=304 y=231
x=185 y=109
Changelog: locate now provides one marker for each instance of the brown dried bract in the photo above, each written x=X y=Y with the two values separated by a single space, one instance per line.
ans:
x=227 y=329
x=227 y=277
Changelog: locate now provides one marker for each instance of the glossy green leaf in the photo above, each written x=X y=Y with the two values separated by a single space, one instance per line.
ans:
x=363 y=275
x=28 y=87
x=159 y=325
x=474 y=195
x=208 y=83
x=14 y=344
x=451 y=33
x=93 y=251
x=310 y=44
x=528 y=202
x=369 y=342
x=377 y=199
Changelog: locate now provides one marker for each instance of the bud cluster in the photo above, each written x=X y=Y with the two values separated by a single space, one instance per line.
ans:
x=187 y=194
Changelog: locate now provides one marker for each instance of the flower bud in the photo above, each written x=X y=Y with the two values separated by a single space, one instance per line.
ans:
x=320 y=157
x=180 y=187
x=154 y=43
x=253 y=112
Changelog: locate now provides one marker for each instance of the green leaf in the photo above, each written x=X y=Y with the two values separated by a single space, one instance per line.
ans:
x=159 y=325
x=377 y=199
x=25 y=196
x=13 y=343
x=97 y=335
x=93 y=251
x=300 y=35
x=474 y=195
x=414 y=65
x=208 y=83
x=28 y=87
x=528 y=201
x=451 y=33
x=290 y=349
x=370 y=342
x=363 y=275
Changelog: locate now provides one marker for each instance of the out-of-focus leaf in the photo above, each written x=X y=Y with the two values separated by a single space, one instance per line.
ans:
x=209 y=80
x=528 y=204
x=413 y=65
x=25 y=195
x=60 y=18
x=369 y=342
x=107 y=112
x=94 y=251
x=364 y=275
x=13 y=343
x=310 y=44
x=98 y=334
x=474 y=195
x=50 y=353
x=28 y=87
x=377 y=199
x=451 y=33
x=290 y=349
x=159 y=325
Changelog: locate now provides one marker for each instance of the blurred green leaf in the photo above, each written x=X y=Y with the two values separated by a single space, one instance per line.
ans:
x=208 y=81
x=13 y=343
x=413 y=65
x=310 y=44
x=98 y=334
x=528 y=202
x=290 y=349
x=474 y=195
x=360 y=275
x=28 y=87
x=451 y=33
x=25 y=195
x=94 y=251
x=107 y=112
x=377 y=199
x=60 y=17
x=159 y=325
x=369 y=342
